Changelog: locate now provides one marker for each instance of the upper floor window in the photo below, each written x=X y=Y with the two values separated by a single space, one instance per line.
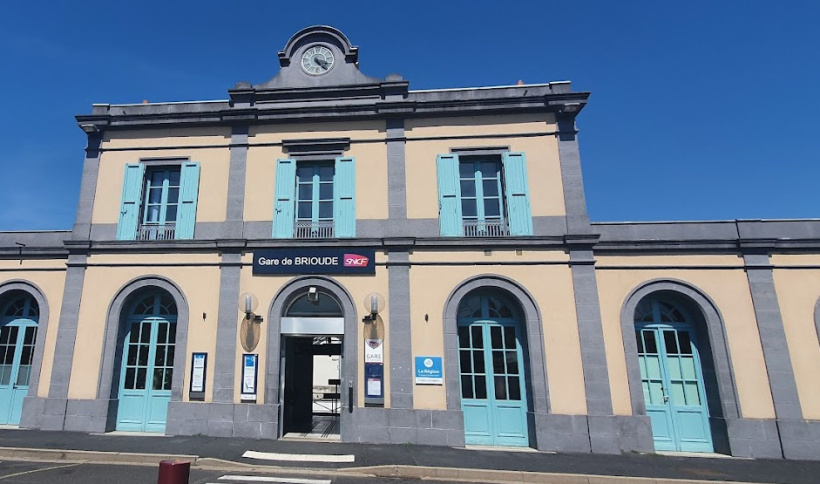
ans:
x=315 y=199
x=159 y=211
x=482 y=208
x=483 y=196
x=159 y=201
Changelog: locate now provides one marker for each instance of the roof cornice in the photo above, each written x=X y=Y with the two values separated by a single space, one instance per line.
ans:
x=388 y=99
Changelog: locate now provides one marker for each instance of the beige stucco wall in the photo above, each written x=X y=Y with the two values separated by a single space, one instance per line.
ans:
x=550 y=285
x=367 y=146
x=543 y=165
x=214 y=164
x=798 y=290
x=265 y=287
x=199 y=285
x=728 y=289
x=51 y=283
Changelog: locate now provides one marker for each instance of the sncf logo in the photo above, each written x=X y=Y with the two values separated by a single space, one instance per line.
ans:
x=356 y=260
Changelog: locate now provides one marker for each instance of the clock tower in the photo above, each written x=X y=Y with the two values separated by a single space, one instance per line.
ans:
x=315 y=57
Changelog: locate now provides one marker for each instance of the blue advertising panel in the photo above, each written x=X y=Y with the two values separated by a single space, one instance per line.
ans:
x=314 y=261
x=249 y=376
x=429 y=370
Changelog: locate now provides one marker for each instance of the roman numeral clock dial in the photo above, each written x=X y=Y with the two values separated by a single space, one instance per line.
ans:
x=317 y=60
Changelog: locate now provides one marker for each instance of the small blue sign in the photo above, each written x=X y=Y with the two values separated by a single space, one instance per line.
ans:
x=429 y=370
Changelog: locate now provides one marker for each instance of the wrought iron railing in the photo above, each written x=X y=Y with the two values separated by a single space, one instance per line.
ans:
x=309 y=229
x=485 y=228
x=156 y=232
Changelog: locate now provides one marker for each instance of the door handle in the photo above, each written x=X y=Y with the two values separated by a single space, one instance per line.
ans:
x=665 y=396
x=350 y=397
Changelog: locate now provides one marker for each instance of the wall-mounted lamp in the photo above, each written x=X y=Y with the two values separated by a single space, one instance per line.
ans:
x=373 y=304
x=248 y=302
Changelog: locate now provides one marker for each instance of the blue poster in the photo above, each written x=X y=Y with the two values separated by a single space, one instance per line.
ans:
x=249 y=363
x=429 y=370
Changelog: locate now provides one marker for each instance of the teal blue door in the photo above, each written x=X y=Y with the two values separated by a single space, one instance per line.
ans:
x=17 y=336
x=672 y=379
x=147 y=366
x=491 y=362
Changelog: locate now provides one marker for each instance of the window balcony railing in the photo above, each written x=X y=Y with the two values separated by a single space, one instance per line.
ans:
x=309 y=229
x=156 y=232
x=485 y=228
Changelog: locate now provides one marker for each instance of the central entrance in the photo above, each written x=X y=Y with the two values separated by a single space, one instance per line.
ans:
x=311 y=367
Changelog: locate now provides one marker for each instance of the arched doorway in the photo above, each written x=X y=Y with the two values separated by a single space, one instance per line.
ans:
x=491 y=369
x=19 y=317
x=672 y=375
x=312 y=329
x=147 y=362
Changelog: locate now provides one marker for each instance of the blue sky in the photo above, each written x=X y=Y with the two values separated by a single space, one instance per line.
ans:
x=700 y=110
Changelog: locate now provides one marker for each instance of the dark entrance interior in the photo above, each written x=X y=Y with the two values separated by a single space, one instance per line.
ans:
x=311 y=386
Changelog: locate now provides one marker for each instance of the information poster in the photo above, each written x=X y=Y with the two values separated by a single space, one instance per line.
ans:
x=199 y=364
x=374 y=387
x=249 y=366
x=374 y=372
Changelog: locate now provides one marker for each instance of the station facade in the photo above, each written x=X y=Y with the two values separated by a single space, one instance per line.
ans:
x=436 y=242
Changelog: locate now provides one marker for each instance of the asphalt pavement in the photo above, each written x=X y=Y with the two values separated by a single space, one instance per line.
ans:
x=397 y=460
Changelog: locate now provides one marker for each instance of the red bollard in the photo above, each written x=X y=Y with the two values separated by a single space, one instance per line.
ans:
x=174 y=472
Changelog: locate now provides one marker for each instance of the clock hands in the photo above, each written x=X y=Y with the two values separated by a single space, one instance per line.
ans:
x=321 y=62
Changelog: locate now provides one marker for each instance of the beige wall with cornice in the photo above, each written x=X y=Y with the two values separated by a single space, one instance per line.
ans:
x=729 y=289
x=52 y=284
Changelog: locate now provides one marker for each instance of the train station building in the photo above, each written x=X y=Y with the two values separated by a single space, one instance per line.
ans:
x=330 y=255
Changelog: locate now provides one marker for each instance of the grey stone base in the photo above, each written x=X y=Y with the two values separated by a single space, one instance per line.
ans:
x=32 y=416
x=616 y=434
x=88 y=415
x=223 y=419
x=560 y=433
x=53 y=414
x=404 y=426
x=800 y=439
x=755 y=438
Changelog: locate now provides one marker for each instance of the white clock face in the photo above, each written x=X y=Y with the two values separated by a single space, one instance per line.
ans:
x=317 y=60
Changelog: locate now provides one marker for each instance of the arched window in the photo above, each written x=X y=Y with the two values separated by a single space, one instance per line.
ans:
x=491 y=370
x=672 y=376
x=147 y=368
x=486 y=305
x=18 y=332
x=21 y=305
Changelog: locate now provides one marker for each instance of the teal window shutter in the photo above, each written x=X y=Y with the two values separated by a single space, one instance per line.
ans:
x=283 y=199
x=188 y=193
x=518 y=194
x=449 y=196
x=344 y=198
x=130 y=205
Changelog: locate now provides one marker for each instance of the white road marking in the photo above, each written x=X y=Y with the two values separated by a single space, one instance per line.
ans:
x=286 y=480
x=299 y=457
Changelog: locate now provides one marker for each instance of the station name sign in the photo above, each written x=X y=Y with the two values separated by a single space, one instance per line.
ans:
x=314 y=261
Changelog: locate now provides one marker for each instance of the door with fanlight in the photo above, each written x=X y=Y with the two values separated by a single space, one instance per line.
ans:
x=491 y=362
x=672 y=378
x=147 y=365
x=18 y=332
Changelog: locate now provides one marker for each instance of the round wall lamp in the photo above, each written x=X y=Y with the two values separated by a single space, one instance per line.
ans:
x=249 y=329
x=374 y=304
x=248 y=302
